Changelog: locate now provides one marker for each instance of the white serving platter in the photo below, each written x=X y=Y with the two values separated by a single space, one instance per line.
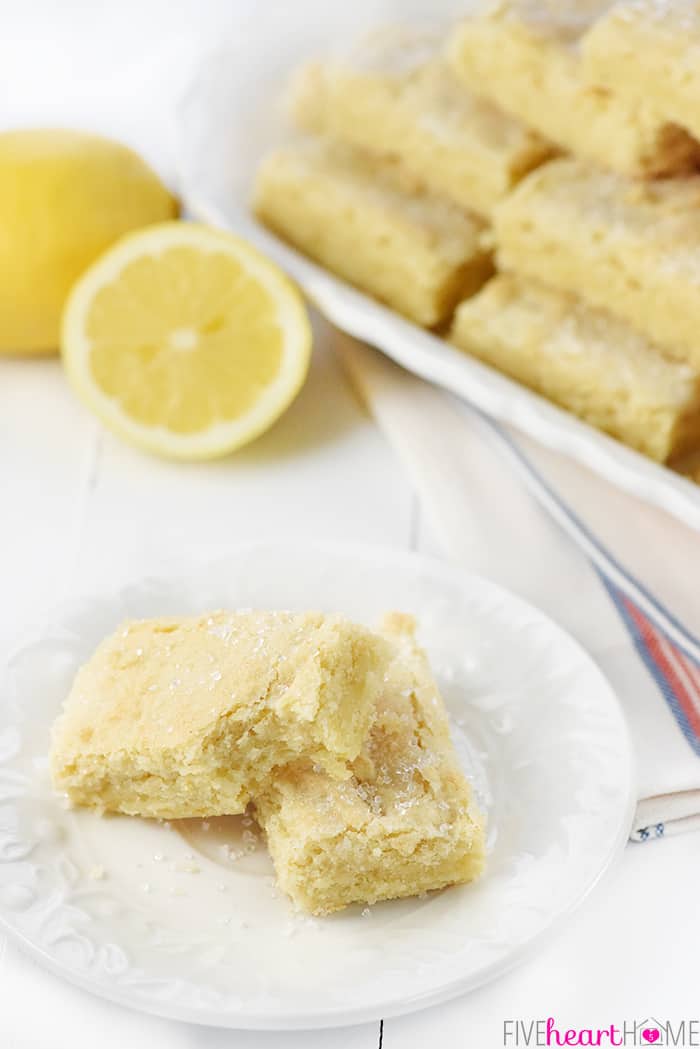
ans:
x=233 y=113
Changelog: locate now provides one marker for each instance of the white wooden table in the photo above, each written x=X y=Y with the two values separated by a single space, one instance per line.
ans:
x=79 y=511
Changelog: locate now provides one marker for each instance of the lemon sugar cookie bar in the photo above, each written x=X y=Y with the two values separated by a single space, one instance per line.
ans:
x=647 y=52
x=525 y=55
x=369 y=224
x=586 y=361
x=631 y=248
x=405 y=823
x=394 y=94
x=176 y=718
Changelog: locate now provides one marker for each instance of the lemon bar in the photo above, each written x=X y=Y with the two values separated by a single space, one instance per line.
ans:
x=631 y=248
x=647 y=52
x=404 y=824
x=525 y=55
x=394 y=95
x=360 y=219
x=586 y=361
x=175 y=718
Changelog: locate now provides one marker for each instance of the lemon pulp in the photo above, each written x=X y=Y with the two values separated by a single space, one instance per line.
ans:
x=185 y=340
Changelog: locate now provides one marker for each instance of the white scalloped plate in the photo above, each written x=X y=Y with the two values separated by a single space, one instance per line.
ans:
x=233 y=114
x=170 y=920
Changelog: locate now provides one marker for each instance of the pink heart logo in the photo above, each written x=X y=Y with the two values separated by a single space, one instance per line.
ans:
x=650 y=1035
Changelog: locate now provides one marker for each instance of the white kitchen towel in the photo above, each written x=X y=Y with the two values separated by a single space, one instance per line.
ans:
x=621 y=576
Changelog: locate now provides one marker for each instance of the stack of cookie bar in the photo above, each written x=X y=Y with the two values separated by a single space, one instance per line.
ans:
x=396 y=182
x=337 y=736
x=529 y=184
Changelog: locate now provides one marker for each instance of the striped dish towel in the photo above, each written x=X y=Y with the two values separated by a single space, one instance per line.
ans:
x=621 y=576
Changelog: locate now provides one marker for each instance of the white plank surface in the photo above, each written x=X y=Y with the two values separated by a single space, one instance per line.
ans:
x=80 y=511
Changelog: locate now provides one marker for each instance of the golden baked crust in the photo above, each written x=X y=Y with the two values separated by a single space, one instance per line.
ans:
x=175 y=718
x=394 y=94
x=404 y=824
x=586 y=361
x=525 y=56
x=647 y=52
x=368 y=222
x=631 y=248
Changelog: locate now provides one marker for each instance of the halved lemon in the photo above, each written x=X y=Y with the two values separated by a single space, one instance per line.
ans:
x=185 y=340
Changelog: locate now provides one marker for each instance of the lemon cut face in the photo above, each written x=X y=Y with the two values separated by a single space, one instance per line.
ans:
x=186 y=341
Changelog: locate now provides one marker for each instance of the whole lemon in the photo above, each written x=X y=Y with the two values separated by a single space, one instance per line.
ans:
x=65 y=196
